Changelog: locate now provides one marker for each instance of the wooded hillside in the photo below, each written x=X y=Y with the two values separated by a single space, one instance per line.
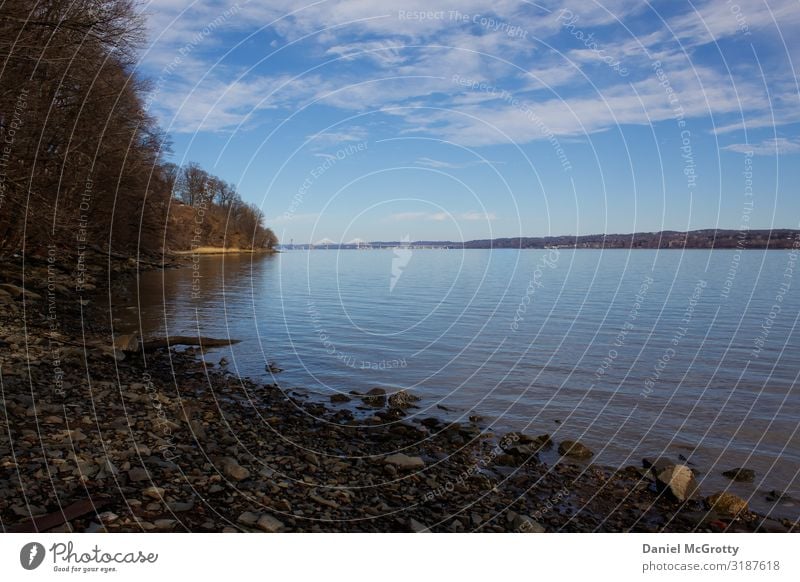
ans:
x=82 y=162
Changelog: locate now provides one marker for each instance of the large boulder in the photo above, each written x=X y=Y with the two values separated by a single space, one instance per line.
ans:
x=574 y=449
x=402 y=399
x=679 y=481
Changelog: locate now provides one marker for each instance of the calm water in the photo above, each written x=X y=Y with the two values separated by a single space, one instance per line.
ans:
x=635 y=353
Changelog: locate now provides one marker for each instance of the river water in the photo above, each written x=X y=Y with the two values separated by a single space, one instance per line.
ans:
x=692 y=355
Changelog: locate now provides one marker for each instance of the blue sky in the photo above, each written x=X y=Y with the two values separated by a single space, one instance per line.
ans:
x=471 y=119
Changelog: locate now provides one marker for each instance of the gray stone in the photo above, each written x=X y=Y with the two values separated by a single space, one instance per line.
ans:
x=417 y=527
x=526 y=524
x=403 y=461
x=234 y=470
x=180 y=506
x=138 y=474
x=269 y=523
x=247 y=518
x=154 y=492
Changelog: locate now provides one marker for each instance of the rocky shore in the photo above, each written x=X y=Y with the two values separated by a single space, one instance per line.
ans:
x=99 y=439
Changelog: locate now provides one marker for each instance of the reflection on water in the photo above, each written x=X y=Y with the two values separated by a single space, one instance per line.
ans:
x=635 y=353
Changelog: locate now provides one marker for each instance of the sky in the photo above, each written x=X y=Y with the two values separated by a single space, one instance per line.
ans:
x=462 y=120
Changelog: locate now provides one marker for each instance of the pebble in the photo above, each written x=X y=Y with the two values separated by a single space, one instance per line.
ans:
x=403 y=461
x=269 y=523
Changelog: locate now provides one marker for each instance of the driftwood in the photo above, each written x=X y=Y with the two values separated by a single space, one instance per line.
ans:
x=51 y=520
x=186 y=340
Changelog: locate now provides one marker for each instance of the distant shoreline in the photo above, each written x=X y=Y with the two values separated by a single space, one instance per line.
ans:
x=708 y=239
x=222 y=251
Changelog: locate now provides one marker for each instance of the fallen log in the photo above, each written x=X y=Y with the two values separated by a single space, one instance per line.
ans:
x=51 y=520
x=186 y=340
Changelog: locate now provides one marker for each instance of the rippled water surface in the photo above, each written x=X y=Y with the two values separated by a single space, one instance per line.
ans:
x=691 y=353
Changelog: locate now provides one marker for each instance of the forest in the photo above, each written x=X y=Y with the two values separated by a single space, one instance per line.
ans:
x=82 y=161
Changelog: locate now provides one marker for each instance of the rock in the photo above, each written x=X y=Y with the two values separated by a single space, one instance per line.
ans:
x=127 y=342
x=76 y=435
x=247 y=518
x=138 y=474
x=403 y=399
x=223 y=362
x=526 y=524
x=741 y=475
x=417 y=527
x=180 y=506
x=778 y=496
x=234 y=470
x=18 y=292
x=375 y=397
x=402 y=461
x=154 y=492
x=679 y=481
x=269 y=523
x=107 y=517
x=657 y=465
x=727 y=503
x=165 y=524
x=336 y=398
x=574 y=449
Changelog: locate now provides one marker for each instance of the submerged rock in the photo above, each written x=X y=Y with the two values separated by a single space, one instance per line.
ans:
x=727 y=503
x=403 y=399
x=741 y=475
x=375 y=398
x=574 y=449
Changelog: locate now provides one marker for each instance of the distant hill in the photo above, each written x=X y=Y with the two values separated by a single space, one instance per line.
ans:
x=667 y=239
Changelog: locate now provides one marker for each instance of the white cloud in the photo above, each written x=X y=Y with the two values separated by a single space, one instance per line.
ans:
x=441 y=164
x=404 y=67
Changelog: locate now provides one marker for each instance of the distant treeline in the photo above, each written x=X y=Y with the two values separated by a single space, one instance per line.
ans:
x=668 y=239
x=82 y=162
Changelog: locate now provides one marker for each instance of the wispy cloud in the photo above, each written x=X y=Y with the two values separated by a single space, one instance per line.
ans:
x=340 y=136
x=442 y=164
x=374 y=59
x=767 y=147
